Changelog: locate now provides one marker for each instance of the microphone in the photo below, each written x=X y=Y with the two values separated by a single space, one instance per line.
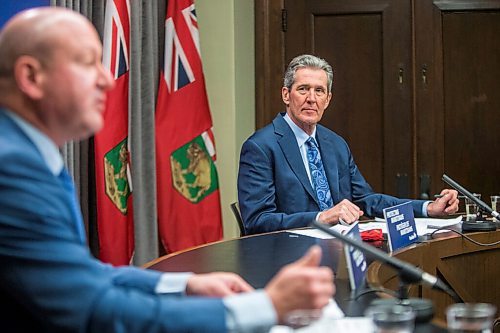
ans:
x=407 y=272
x=474 y=226
x=423 y=308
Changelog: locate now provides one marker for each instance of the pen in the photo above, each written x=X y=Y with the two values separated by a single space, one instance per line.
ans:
x=344 y=223
x=440 y=196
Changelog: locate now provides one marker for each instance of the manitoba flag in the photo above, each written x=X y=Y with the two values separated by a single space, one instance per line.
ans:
x=189 y=210
x=113 y=190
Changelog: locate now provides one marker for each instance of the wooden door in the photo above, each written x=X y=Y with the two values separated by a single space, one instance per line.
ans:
x=458 y=93
x=368 y=44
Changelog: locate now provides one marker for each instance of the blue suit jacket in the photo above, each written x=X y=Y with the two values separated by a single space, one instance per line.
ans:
x=274 y=191
x=49 y=282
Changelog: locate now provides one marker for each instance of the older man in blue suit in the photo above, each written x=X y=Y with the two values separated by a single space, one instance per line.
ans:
x=295 y=170
x=53 y=89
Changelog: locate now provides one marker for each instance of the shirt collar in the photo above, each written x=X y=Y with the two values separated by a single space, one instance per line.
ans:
x=47 y=148
x=300 y=135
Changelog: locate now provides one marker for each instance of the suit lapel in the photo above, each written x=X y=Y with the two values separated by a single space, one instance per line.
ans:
x=30 y=148
x=327 y=149
x=288 y=143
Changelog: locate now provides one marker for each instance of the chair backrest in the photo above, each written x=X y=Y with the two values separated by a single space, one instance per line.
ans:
x=235 y=207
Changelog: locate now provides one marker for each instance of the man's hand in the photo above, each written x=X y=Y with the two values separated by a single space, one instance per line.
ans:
x=345 y=210
x=301 y=285
x=217 y=284
x=446 y=204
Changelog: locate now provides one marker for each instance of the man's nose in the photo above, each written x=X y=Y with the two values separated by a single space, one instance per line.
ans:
x=106 y=80
x=311 y=96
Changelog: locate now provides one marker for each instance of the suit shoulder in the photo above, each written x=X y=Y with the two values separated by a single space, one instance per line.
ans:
x=19 y=156
x=16 y=150
x=262 y=136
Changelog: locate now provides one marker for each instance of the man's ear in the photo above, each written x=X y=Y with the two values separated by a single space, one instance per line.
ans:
x=285 y=95
x=28 y=74
x=329 y=99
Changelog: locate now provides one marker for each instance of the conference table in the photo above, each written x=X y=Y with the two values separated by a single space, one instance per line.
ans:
x=471 y=270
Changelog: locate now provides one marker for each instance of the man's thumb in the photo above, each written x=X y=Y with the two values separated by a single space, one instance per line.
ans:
x=312 y=258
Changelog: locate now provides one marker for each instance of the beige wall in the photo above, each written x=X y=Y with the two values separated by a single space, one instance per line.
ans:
x=227 y=49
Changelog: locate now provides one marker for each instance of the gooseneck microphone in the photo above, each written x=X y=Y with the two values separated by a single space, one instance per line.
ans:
x=407 y=272
x=470 y=196
x=475 y=225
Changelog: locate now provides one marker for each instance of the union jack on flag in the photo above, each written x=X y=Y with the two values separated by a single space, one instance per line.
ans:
x=116 y=38
x=189 y=14
x=189 y=211
x=178 y=71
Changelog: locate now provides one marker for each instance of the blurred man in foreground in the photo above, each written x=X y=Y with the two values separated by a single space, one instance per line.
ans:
x=52 y=90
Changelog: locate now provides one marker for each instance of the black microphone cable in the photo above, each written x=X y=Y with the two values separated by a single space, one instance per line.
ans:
x=464 y=236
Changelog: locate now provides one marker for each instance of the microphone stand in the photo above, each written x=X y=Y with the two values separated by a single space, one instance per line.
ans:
x=476 y=225
x=407 y=273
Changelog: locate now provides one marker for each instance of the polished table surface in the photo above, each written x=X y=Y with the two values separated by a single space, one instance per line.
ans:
x=258 y=258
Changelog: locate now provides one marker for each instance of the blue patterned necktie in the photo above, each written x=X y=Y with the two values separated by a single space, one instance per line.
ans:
x=75 y=207
x=318 y=175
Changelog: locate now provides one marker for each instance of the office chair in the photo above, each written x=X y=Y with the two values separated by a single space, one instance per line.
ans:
x=235 y=207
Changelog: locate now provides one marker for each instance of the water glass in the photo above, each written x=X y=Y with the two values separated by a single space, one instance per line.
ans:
x=470 y=317
x=495 y=199
x=471 y=209
x=392 y=318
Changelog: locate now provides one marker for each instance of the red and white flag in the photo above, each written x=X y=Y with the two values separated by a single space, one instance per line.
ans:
x=113 y=187
x=189 y=211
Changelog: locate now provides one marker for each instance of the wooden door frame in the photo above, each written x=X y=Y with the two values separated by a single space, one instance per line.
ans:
x=269 y=55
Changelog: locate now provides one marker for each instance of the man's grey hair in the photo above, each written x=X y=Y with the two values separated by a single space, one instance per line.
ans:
x=307 y=61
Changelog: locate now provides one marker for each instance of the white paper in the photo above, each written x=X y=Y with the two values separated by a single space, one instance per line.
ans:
x=346 y=324
x=424 y=226
x=331 y=313
x=318 y=233
x=374 y=225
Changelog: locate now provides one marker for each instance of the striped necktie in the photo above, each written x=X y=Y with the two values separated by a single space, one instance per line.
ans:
x=318 y=175
x=75 y=207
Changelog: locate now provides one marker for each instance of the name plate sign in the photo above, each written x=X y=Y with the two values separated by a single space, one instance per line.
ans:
x=401 y=228
x=356 y=263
